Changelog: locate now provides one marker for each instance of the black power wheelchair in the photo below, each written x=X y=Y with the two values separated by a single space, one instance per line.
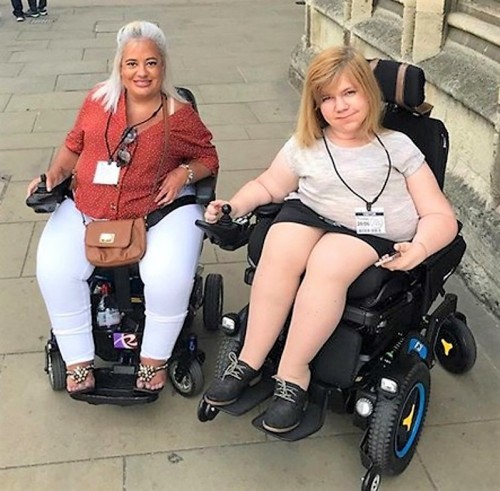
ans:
x=117 y=304
x=376 y=365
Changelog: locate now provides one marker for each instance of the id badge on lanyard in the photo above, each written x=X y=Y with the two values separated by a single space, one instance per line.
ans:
x=370 y=222
x=106 y=173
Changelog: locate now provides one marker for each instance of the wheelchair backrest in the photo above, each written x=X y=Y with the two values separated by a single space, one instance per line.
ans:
x=403 y=89
x=205 y=188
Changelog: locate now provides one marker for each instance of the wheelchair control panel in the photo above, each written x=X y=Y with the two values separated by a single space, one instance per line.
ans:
x=44 y=201
x=227 y=233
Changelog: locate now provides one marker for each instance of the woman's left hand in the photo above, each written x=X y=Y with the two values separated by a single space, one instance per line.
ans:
x=171 y=186
x=411 y=254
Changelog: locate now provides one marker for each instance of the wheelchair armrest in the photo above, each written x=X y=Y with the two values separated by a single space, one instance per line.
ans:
x=227 y=235
x=436 y=269
x=205 y=190
x=43 y=201
x=267 y=211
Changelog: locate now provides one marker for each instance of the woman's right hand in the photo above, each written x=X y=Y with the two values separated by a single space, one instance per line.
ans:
x=32 y=186
x=214 y=210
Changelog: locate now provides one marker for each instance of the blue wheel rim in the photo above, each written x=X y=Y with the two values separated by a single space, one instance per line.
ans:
x=415 y=424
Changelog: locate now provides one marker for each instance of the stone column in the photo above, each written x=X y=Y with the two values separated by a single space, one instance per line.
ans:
x=409 y=12
x=495 y=172
x=429 y=27
x=360 y=10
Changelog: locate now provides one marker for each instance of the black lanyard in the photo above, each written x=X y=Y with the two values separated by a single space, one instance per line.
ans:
x=369 y=204
x=126 y=131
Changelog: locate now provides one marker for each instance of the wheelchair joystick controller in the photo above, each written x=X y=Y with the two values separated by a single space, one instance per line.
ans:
x=42 y=185
x=226 y=219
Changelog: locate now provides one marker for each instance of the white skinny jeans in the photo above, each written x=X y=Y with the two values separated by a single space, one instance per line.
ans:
x=167 y=270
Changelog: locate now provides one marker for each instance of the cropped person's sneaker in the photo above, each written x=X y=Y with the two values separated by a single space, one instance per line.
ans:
x=31 y=13
x=287 y=407
x=236 y=378
x=43 y=11
x=20 y=18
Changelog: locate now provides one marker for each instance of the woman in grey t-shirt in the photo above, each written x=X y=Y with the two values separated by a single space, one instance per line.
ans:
x=354 y=193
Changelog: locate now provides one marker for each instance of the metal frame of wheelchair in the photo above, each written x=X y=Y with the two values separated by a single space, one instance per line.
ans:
x=119 y=346
x=376 y=365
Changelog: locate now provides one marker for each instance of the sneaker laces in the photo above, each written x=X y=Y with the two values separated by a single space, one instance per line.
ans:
x=234 y=369
x=284 y=391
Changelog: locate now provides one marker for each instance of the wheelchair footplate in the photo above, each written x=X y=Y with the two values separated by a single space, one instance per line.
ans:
x=116 y=386
x=313 y=420
x=251 y=397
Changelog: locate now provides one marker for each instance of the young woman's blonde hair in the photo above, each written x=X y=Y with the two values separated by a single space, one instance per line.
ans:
x=109 y=91
x=324 y=71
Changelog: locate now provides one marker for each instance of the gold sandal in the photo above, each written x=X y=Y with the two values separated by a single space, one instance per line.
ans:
x=79 y=375
x=145 y=373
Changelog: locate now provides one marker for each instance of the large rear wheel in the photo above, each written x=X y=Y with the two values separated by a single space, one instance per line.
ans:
x=396 y=424
x=213 y=300
x=228 y=345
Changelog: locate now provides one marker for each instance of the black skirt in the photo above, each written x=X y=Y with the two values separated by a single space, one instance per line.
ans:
x=297 y=212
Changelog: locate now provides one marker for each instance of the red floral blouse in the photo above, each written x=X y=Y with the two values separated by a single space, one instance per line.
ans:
x=188 y=140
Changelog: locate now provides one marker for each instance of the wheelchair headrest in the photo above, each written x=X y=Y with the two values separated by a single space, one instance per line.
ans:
x=401 y=84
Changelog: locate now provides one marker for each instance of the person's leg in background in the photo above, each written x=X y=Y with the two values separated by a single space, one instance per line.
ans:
x=33 y=10
x=168 y=270
x=42 y=7
x=17 y=10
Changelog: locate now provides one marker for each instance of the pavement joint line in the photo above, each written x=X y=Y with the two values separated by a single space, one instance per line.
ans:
x=168 y=452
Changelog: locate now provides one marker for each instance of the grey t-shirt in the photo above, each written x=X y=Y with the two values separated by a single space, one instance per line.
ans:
x=364 y=169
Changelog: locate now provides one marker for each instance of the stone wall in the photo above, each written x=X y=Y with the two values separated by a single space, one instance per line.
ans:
x=457 y=43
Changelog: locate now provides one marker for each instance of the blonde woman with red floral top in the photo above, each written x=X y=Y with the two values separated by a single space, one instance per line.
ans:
x=115 y=151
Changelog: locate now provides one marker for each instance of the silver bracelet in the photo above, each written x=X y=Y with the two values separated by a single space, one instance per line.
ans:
x=190 y=174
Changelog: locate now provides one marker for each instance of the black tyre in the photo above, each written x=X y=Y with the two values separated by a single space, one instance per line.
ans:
x=206 y=412
x=213 y=301
x=228 y=345
x=455 y=346
x=188 y=379
x=397 y=423
x=56 y=368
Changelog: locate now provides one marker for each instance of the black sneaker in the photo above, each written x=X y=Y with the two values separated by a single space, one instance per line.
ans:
x=42 y=11
x=19 y=18
x=287 y=407
x=31 y=13
x=236 y=378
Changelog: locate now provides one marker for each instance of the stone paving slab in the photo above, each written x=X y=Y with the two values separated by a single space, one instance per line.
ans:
x=168 y=424
x=14 y=239
x=23 y=164
x=16 y=123
x=97 y=475
x=325 y=464
x=52 y=100
x=463 y=456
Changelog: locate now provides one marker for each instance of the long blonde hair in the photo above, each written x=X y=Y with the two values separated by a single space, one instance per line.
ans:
x=109 y=91
x=325 y=69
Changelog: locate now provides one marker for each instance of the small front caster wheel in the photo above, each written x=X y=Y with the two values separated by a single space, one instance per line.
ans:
x=206 y=412
x=187 y=379
x=371 y=481
x=55 y=368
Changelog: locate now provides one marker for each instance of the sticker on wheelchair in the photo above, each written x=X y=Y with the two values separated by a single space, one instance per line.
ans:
x=123 y=340
x=414 y=342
